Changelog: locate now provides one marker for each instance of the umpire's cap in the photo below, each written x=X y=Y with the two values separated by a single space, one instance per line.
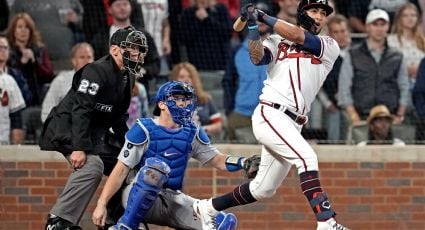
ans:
x=307 y=4
x=121 y=35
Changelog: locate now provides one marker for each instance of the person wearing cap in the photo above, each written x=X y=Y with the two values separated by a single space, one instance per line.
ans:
x=379 y=121
x=89 y=124
x=161 y=147
x=373 y=73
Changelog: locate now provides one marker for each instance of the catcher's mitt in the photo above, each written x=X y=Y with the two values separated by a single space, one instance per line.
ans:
x=251 y=165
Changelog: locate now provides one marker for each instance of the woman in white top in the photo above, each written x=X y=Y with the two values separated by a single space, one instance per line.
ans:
x=408 y=37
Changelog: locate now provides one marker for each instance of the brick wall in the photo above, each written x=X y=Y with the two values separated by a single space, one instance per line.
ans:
x=377 y=188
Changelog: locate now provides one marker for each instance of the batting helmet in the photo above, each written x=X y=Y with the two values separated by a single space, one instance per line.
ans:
x=166 y=93
x=307 y=4
x=306 y=21
x=131 y=40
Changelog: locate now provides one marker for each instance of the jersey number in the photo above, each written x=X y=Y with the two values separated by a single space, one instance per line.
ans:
x=86 y=86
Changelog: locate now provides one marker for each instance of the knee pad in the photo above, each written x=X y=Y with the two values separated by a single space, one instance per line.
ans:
x=144 y=191
x=226 y=221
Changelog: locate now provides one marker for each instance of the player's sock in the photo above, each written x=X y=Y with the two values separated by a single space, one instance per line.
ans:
x=310 y=185
x=239 y=196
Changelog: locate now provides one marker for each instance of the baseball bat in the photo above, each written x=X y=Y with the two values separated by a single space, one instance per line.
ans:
x=239 y=24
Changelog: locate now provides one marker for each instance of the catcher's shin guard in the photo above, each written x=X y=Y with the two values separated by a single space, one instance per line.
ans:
x=144 y=192
x=322 y=206
x=226 y=221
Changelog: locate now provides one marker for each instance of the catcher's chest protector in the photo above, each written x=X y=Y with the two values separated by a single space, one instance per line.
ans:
x=172 y=147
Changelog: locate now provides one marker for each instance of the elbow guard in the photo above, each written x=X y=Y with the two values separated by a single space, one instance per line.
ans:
x=234 y=163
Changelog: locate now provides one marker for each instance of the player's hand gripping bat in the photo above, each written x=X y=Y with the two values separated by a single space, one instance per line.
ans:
x=240 y=23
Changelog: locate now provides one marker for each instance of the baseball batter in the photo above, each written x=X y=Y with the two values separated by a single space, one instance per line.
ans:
x=298 y=62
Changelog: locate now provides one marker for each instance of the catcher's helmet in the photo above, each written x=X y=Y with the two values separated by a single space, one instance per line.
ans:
x=167 y=92
x=134 y=45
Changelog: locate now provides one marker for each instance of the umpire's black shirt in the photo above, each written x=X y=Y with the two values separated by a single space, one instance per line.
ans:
x=98 y=100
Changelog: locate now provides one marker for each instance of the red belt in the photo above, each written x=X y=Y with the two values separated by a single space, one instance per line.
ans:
x=299 y=119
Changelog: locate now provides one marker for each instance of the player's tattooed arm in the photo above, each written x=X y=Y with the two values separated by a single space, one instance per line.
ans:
x=256 y=51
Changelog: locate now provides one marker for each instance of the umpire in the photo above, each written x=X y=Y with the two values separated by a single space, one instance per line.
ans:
x=89 y=124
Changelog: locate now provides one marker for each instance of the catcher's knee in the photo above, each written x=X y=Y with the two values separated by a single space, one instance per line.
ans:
x=226 y=221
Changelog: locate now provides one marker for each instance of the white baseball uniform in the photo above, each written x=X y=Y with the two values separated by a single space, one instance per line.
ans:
x=294 y=78
x=11 y=101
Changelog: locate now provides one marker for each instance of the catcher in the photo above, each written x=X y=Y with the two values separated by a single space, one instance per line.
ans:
x=160 y=149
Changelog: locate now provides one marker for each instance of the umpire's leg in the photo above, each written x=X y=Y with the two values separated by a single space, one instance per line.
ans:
x=79 y=189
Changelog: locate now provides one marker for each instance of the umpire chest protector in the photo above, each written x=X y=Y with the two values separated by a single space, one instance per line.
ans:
x=171 y=146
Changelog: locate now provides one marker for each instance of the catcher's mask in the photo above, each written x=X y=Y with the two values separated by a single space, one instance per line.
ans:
x=306 y=21
x=134 y=48
x=180 y=99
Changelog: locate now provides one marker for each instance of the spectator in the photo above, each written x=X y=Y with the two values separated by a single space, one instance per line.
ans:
x=81 y=54
x=250 y=83
x=288 y=10
x=358 y=10
x=155 y=16
x=207 y=29
x=339 y=30
x=56 y=21
x=418 y=96
x=373 y=74
x=11 y=101
x=30 y=56
x=139 y=105
x=4 y=15
x=206 y=114
x=17 y=132
x=408 y=38
x=121 y=11
x=96 y=16
x=380 y=133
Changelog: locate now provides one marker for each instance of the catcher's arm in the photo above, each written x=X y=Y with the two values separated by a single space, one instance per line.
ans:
x=235 y=163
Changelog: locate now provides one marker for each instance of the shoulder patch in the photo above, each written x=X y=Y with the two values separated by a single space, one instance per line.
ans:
x=202 y=136
x=137 y=134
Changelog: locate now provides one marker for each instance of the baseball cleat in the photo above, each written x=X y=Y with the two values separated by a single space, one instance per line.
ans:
x=330 y=224
x=203 y=210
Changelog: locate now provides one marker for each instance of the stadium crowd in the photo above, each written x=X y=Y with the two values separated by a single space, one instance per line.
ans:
x=381 y=63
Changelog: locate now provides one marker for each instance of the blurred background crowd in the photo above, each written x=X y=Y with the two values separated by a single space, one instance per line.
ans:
x=375 y=93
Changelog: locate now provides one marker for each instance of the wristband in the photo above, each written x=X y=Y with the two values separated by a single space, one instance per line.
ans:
x=234 y=163
x=253 y=33
x=269 y=20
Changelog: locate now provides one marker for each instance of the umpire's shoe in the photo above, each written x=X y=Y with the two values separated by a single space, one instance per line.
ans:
x=58 y=223
x=203 y=210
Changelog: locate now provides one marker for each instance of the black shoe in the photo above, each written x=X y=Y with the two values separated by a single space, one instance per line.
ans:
x=58 y=223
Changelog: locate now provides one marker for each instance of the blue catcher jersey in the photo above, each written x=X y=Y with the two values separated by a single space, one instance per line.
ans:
x=171 y=146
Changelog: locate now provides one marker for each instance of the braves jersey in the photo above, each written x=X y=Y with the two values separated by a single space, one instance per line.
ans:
x=11 y=101
x=295 y=76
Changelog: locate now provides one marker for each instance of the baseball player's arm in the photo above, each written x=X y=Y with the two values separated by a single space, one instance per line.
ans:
x=403 y=85
x=113 y=183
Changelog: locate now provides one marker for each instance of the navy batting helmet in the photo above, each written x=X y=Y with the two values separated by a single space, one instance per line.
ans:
x=307 y=4
x=306 y=21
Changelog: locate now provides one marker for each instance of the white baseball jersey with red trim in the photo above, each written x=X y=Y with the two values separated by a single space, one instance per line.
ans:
x=295 y=76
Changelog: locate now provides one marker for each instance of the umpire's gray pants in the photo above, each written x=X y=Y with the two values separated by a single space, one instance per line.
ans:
x=79 y=189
